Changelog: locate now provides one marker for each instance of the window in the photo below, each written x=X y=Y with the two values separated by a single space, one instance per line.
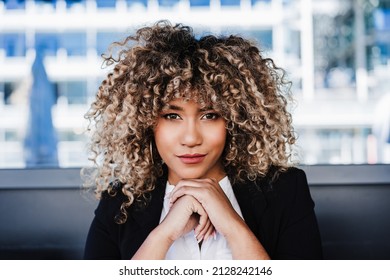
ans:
x=15 y=4
x=104 y=40
x=47 y=42
x=105 y=3
x=74 y=92
x=13 y=44
x=341 y=113
x=75 y=44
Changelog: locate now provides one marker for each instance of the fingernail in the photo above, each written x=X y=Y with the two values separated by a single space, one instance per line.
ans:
x=215 y=235
x=199 y=240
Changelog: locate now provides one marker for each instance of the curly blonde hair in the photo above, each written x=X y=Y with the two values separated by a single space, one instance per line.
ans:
x=163 y=62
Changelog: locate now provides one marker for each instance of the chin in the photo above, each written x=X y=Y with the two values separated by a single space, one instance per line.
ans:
x=191 y=174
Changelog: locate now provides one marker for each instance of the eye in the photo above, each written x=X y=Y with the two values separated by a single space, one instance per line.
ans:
x=210 y=116
x=171 y=116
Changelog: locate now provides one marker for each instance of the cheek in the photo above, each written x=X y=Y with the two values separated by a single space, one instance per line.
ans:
x=164 y=139
x=218 y=137
x=159 y=138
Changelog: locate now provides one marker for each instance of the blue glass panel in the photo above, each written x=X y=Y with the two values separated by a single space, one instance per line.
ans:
x=230 y=2
x=264 y=37
x=15 y=4
x=74 y=43
x=254 y=2
x=47 y=42
x=384 y=52
x=105 y=3
x=69 y=3
x=104 y=40
x=74 y=91
x=53 y=2
x=382 y=19
x=167 y=3
x=132 y=2
x=14 y=44
x=198 y=3
x=7 y=88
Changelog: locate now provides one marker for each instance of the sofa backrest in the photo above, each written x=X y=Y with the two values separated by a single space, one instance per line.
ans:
x=44 y=214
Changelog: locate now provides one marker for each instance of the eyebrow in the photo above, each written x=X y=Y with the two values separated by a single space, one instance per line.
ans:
x=173 y=107
x=181 y=109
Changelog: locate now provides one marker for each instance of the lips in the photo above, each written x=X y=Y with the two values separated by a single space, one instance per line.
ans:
x=192 y=158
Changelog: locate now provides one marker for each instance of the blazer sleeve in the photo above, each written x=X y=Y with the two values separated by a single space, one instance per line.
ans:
x=100 y=243
x=299 y=236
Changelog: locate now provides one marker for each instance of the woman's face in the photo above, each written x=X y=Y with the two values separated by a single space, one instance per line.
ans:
x=190 y=140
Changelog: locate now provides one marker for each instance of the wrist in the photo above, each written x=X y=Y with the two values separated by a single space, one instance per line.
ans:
x=155 y=247
x=244 y=244
x=236 y=231
x=162 y=235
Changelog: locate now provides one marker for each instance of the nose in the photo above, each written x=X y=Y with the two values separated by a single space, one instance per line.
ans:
x=191 y=134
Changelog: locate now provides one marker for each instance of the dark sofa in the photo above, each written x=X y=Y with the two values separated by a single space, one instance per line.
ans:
x=45 y=215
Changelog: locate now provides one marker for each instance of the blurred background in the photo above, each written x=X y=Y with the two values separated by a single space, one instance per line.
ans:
x=336 y=52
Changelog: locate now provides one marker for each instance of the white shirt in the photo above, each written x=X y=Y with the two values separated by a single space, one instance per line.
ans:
x=187 y=248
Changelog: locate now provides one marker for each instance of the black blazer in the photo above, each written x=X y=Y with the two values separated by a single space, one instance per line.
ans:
x=280 y=213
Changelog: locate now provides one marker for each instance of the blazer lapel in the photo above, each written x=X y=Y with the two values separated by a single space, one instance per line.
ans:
x=252 y=202
x=143 y=221
x=149 y=216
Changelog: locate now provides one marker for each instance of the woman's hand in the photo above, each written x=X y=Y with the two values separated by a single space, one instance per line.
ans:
x=212 y=198
x=187 y=214
x=242 y=242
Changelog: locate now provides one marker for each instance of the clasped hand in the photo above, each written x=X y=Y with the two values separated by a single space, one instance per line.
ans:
x=199 y=205
x=202 y=206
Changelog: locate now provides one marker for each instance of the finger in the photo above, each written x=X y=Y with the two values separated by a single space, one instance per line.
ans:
x=196 y=183
x=208 y=232
x=201 y=230
x=176 y=194
x=196 y=191
x=204 y=220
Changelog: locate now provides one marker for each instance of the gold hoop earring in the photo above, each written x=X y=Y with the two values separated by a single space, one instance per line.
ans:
x=151 y=151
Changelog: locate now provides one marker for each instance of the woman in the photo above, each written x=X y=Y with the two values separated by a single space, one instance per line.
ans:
x=192 y=145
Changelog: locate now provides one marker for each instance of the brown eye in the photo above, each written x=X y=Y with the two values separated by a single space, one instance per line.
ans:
x=210 y=116
x=171 y=116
